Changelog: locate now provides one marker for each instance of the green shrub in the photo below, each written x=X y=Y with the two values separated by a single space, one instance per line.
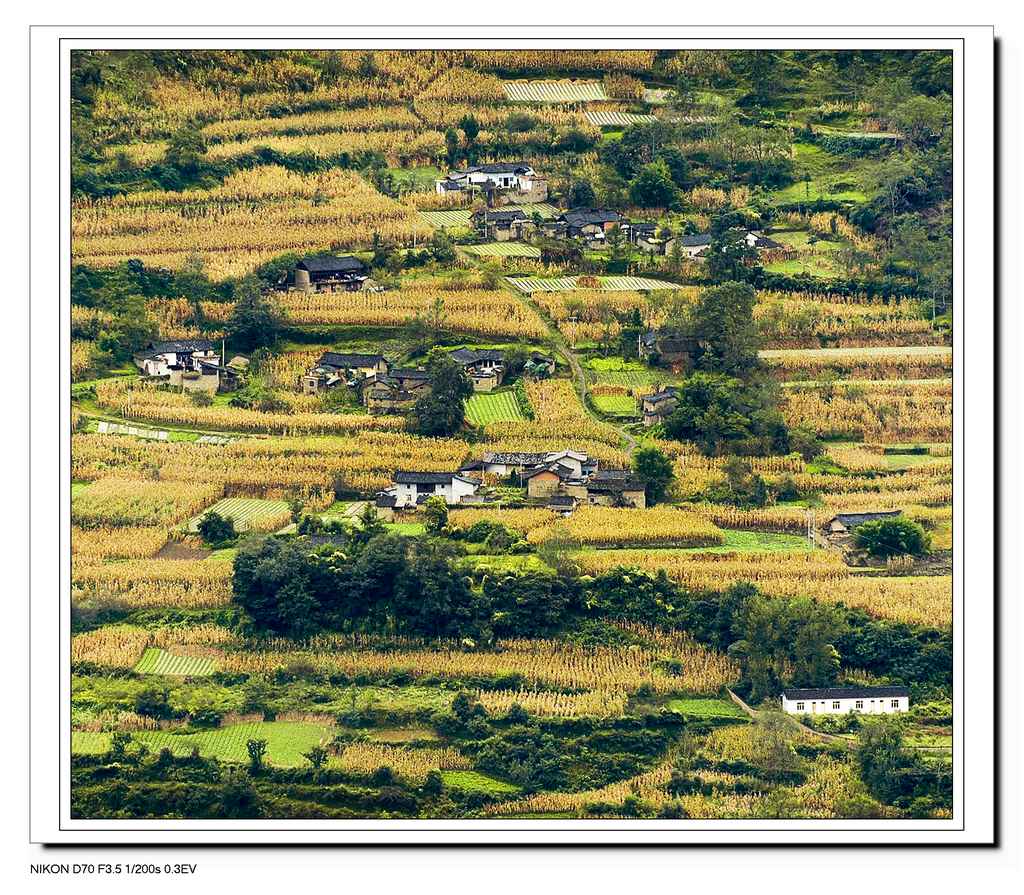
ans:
x=892 y=537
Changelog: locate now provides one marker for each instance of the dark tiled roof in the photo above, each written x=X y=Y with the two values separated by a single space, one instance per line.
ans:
x=408 y=373
x=386 y=500
x=514 y=458
x=497 y=168
x=331 y=264
x=614 y=480
x=663 y=395
x=500 y=217
x=403 y=477
x=700 y=239
x=563 y=472
x=180 y=346
x=579 y=217
x=561 y=500
x=466 y=356
x=846 y=693
x=853 y=519
x=335 y=359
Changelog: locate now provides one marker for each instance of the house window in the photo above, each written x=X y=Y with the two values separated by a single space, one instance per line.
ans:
x=799 y=706
x=835 y=704
x=859 y=704
x=895 y=703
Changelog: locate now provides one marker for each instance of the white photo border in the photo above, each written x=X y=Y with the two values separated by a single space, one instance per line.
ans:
x=974 y=819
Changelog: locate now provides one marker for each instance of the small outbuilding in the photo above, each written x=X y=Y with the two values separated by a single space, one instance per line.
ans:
x=331 y=272
x=841 y=526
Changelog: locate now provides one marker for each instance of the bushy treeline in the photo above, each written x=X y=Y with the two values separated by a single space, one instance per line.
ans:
x=386 y=583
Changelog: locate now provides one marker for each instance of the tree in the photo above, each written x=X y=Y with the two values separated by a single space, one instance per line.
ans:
x=452 y=146
x=655 y=470
x=216 y=529
x=470 y=127
x=433 y=783
x=922 y=119
x=185 y=151
x=435 y=514
x=892 y=537
x=581 y=195
x=255 y=321
x=678 y=166
x=272 y=583
x=722 y=320
x=742 y=487
x=723 y=414
x=778 y=639
x=653 y=187
x=896 y=180
x=683 y=97
x=370 y=526
x=729 y=257
x=443 y=411
x=805 y=442
x=442 y=249
x=317 y=757
x=119 y=742
x=881 y=758
x=256 y=749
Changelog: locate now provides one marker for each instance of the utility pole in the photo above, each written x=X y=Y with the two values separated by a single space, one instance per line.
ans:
x=810 y=527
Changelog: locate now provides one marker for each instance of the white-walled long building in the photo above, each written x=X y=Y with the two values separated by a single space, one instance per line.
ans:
x=840 y=700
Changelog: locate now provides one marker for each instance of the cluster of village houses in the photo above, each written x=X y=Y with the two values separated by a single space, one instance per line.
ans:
x=193 y=365
x=559 y=480
x=516 y=183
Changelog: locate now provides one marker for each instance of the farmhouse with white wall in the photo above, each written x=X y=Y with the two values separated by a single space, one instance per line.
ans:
x=410 y=488
x=841 y=700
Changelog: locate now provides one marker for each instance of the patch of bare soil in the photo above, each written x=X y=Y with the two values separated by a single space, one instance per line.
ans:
x=182 y=550
x=938 y=562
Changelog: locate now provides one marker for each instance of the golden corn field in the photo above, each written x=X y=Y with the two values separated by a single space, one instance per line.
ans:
x=861 y=363
x=542 y=663
x=523 y=520
x=410 y=764
x=118 y=502
x=558 y=415
x=479 y=311
x=548 y=703
x=98 y=544
x=253 y=216
x=595 y=526
x=153 y=583
x=271 y=468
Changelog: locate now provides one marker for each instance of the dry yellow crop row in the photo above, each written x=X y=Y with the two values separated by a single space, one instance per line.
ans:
x=482 y=311
x=595 y=526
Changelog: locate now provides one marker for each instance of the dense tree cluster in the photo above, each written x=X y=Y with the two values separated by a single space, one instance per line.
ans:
x=379 y=582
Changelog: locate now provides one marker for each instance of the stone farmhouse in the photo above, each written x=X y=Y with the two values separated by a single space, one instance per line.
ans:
x=502 y=226
x=655 y=407
x=331 y=273
x=515 y=463
x=672 y=349
x=335 y=368
x=158 y=358
x=394 y=392
x=499 y=182
x=485 y=367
